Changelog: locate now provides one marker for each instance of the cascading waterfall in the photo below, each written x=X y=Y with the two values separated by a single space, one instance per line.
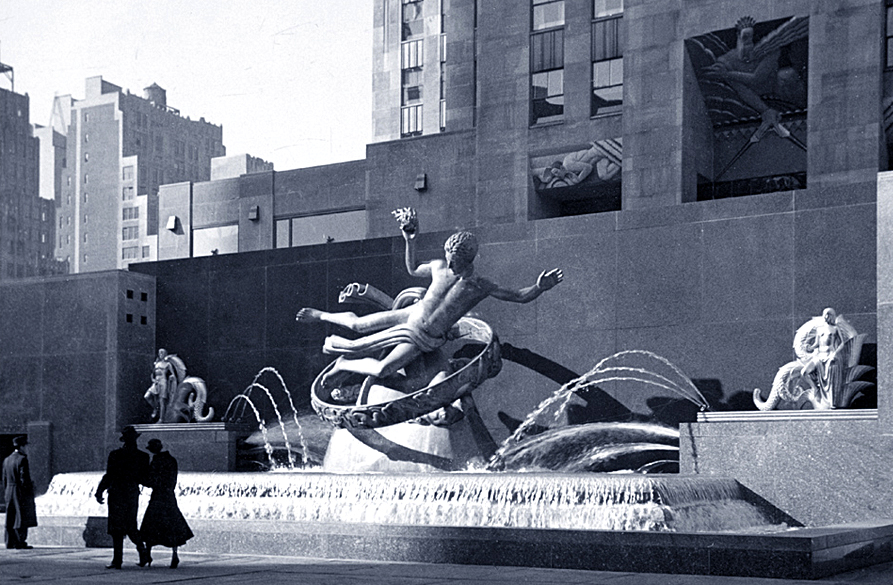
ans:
x=561 y=501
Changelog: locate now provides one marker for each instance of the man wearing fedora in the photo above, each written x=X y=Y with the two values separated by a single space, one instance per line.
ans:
x=126 y=469
x=19 y=495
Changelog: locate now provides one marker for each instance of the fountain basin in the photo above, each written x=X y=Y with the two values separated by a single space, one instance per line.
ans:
x=663 y=524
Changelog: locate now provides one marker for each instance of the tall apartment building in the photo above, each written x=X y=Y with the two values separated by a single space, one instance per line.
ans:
x=26 y=220
x=120 y=149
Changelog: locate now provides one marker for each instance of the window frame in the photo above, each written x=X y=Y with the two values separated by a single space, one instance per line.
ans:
x=609 y=54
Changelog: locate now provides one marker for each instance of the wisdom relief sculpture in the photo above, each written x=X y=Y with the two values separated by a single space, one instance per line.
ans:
x=826 y=372
x=174 y=396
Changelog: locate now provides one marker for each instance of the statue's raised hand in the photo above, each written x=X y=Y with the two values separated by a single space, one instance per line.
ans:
x=407 y=220
x=549 y=279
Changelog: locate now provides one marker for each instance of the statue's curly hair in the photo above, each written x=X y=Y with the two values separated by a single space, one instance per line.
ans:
x=462 y=244
x=745 y=22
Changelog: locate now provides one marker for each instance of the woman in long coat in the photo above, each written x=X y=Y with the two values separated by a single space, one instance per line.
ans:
x=163 y=523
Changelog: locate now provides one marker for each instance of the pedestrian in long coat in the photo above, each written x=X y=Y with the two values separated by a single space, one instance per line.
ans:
x=163 y=523
x=18 y=491
x=127 y=468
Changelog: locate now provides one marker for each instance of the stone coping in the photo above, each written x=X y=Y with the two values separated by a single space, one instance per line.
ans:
x=870 y=414
x=807 y=553
x=195 y=427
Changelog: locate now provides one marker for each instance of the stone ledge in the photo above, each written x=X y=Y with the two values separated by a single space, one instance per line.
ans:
x=787 y=415
x=808 y=553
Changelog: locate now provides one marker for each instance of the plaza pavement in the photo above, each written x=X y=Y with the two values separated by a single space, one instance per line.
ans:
x=65 y=565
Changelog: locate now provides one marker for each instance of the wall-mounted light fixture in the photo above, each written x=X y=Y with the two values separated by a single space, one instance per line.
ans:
x=254 y=213
x=172 y=222
x=421 y=182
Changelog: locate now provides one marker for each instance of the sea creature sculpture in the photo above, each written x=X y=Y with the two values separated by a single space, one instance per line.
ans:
x=826 y=372
x=174 y=396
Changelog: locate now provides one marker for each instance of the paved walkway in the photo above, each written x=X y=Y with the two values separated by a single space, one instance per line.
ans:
x=83 y=565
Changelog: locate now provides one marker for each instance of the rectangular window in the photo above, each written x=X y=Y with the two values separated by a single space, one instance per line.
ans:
x=145 y=255
x=130 y=252
x=547 y=14
x=131 y=213
x=889 y=34
x=127 y=193
x=547 y=51
x=411 y=120
x=411 y=54
x=283 y=239
x=607 y=65
x=412 y=86
x=127 y=173
x=602 y=8
x=413 y=22
x=547 y=76
x=130 y=233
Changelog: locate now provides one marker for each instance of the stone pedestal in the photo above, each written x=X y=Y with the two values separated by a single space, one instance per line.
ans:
x=819 y=466
x=198 y=446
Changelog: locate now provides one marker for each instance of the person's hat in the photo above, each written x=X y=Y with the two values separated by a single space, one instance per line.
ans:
x=128 y=434
x=20 y=441
x=154 y=446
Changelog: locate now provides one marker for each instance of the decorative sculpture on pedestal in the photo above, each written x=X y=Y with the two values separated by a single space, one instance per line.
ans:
x=400 y=369
x=174 y=396
x=826 y=372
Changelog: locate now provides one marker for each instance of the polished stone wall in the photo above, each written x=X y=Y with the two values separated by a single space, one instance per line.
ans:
x=75 y=360
x=718 y=288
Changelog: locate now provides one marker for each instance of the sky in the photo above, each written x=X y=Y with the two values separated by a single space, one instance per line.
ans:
x=290 y=81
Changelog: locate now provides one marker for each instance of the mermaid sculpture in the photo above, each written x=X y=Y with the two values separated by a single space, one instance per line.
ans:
x=174 y=396
x=826 y=371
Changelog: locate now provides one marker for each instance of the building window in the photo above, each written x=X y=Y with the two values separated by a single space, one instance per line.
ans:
x=411 y=120
x=412 y=86
x=316 y=229
x=86 y=178
x=283 y=237
x=86 y=156
x=216 y=240
x=85 y=196
x=547 y=76
x=128 y=193
x=145 y=255
x=411 y=54
x=889 y=34
x=607 y=58
x=131 y=213
x=127 y=173
x=413 y=22
x=86 y=217
x=547 y=14
x=130 y=252
x=130 y=233
x=85 y=237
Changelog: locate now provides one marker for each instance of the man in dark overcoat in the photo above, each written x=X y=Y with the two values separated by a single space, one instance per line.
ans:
x=127 y=468
x=18 y=492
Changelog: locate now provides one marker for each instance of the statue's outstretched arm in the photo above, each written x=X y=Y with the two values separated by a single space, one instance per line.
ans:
x=546 y=280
